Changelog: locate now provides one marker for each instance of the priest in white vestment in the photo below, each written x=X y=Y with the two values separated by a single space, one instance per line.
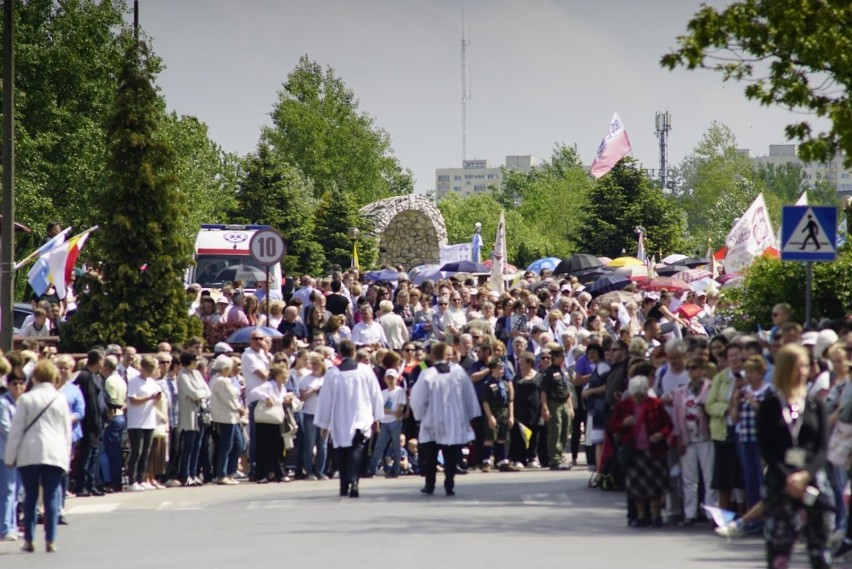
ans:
x=349 y=406
x=444 y=401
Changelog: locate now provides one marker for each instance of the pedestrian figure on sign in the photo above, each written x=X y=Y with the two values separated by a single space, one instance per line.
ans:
x=812 y=229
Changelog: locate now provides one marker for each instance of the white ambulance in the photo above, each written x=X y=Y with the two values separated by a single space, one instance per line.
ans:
x=222 y=255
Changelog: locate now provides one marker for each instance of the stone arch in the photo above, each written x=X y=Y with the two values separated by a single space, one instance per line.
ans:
x=410 y=230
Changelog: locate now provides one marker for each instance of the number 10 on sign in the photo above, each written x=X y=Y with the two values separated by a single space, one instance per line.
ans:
x=267 y=247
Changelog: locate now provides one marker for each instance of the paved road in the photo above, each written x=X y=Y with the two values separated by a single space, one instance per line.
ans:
x=504 y=520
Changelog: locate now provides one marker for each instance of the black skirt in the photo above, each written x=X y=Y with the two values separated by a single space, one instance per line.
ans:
x=727 y=472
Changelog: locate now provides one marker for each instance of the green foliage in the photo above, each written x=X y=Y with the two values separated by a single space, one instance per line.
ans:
x=144 y=248
x=770 y=281
x=620 y=202
x=335 y=214
x=791 y=53
x=549 y=198
x=318 y=128
x=277 y=194
x=523 y=245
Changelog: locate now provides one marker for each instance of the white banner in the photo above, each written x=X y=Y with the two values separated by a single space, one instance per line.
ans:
x=750 y=237
x=498 y=256
x=455 y=253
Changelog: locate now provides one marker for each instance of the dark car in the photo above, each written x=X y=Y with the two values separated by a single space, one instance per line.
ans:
x=21 y=311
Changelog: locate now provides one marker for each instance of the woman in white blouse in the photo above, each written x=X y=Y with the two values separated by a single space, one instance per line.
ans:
x=142 y=395
x=39 y=444
x=226 y=409
x=309 y=388
x=270 y=444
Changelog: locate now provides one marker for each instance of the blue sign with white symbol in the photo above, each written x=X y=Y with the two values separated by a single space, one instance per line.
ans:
x=809 y=233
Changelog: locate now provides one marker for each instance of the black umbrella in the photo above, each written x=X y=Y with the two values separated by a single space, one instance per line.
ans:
x=246 y=273
x=592 y=275
x=608 y=283
x=464 y=267
x=691 y=262
x=670 y=270
x=575 y=264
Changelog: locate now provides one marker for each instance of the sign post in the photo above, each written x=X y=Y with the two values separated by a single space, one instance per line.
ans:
x=808 y=234
x=267 y=248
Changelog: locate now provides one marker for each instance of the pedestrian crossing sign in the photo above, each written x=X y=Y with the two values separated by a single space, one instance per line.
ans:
x=809 y=233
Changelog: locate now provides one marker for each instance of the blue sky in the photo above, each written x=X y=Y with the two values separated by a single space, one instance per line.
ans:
x=542 y=72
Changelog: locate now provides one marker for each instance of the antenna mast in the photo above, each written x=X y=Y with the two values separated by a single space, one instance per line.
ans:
x=465 y=97
x=664 y=125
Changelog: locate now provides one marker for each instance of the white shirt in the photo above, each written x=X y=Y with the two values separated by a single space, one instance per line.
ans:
x=307 y=382
x=141 y=416
x=31 y=331
x=372 y=333
x=251 y=361
x=127 y=373
x=349 y=401
x=444 y=403
x=49 y=439
x=454 y=317
x=392 y=400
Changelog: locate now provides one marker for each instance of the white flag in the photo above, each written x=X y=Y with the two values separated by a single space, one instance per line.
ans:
x=751 y=236
x=498 y=257
x=613 y=148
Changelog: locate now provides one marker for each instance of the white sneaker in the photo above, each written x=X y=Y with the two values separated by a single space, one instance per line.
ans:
x=519 y=465
x=11 y=536
x=535 y=464
x=147 y=486
x=173 y=483
x=733 y=529
x=135 y=487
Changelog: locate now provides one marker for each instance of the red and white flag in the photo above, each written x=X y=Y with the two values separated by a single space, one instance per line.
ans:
x=613 y=148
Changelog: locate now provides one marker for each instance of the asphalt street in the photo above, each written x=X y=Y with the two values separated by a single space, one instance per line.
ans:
x=498 y=520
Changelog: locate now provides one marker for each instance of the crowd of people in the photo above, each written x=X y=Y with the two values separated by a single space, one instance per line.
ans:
x=677 y=411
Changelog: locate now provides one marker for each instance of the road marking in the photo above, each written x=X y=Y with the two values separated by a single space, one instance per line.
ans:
x=179 y=506
x=546 y=500
x=271 y=504
x=91 y=509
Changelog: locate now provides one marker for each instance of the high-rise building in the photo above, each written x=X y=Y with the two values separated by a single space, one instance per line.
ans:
x=832 y=171
x=476 y=175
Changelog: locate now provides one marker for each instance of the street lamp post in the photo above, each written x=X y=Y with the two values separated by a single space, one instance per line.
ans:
x=353 y=234
x=7 y=238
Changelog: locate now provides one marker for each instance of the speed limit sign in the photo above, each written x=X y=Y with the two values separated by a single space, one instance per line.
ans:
x=267 y=247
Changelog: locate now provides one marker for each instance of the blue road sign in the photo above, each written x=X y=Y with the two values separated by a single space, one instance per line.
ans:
x=809 y=233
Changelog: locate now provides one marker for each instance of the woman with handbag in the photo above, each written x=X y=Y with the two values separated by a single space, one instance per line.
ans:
x=193 y=394
x=39 y=444
x=792 y=432
x=271 y=396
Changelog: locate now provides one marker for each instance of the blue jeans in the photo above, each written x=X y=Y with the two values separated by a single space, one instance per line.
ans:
x=112 y=448
x=8 y=499
x=749 y=455
x=50 y=480
x=229 y=449
x=388 y=435
x=312 y=438
x=88 y=465
x=838 y=477
x=189 y=450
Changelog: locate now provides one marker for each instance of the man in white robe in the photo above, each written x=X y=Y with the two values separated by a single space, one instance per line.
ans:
x=444 y=401
x=349 y=407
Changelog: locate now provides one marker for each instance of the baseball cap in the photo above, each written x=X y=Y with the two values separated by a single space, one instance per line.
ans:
x=809 y=338
x=223 y=348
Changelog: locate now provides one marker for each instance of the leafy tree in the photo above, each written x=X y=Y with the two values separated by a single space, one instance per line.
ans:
x=277 y=194
x=769 y=281
x=549 y=197
x=523 y=244
x=619 y=203
x=792 y=53
x=335 y=214
x=318 y=128
x=141 y=299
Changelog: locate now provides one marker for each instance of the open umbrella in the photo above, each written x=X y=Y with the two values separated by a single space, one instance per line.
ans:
x=241 y=336
x=632 y=271
x=575 y=264
x=624 y=262
x=592 y=275
x=619 y=296
x=672 y=259
x=605 y=261
x=664 y=283
x=669 y=270
x=692 y=275
x=546 y=263
x=704 y=284
x=688 y=310
x=464 y=267
x=507 y=267
x=608 y=283
x=693 y=262
x=383 y=275
x=246 y=273
x=727 y=277
x=428 y=273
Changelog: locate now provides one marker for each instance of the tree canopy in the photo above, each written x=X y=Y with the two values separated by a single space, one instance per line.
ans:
x=792 y=53
x=316 y=126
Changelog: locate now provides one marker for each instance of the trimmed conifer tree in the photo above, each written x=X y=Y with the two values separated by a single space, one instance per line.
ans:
x=140 y=298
